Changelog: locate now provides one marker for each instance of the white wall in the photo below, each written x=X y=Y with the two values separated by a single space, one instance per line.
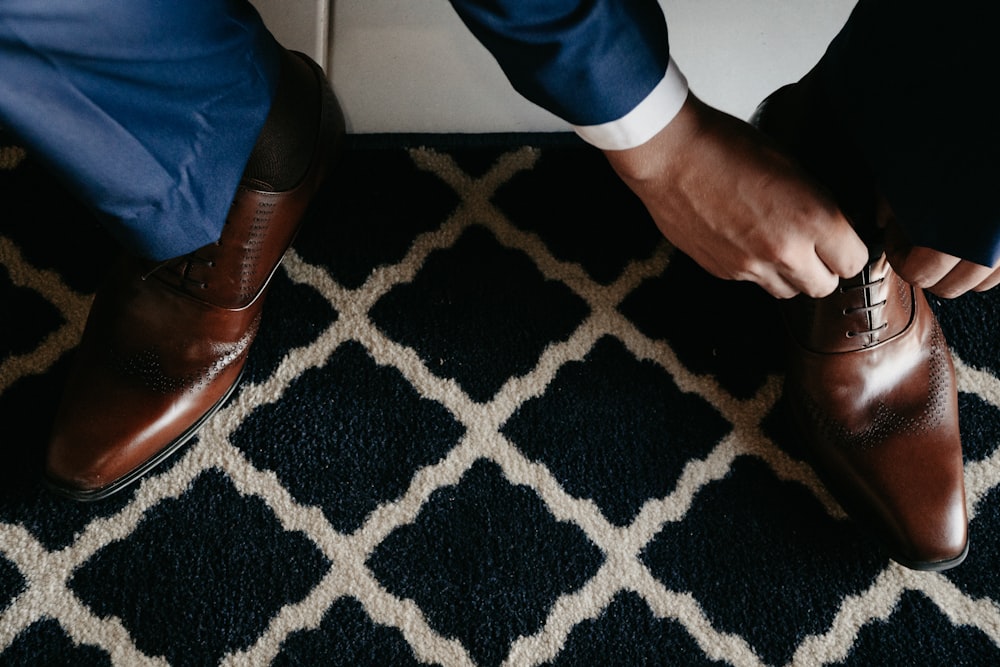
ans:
x=411 y=66
x=303 y=25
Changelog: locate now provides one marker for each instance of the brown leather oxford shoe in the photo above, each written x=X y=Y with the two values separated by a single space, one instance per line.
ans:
x=871 y=390
x=165 y=345
x=870 y=382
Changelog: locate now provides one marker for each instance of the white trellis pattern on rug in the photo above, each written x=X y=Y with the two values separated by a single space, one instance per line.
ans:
x=46 y=594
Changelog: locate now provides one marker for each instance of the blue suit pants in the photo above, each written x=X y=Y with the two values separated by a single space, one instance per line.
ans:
x=147 y=109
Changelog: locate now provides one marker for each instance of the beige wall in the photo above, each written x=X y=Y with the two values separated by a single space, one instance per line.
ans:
x=303 y=25
x=410 y=65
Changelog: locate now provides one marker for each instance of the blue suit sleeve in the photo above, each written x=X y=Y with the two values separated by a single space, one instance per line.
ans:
x=587 y=61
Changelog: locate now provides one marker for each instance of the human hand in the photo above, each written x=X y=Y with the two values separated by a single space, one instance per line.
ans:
x=725 y=196
x=937 y=272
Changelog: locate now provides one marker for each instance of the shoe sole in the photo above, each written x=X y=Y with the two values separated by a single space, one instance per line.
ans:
x=867 y=530
x=933 y=566
x=93 y=495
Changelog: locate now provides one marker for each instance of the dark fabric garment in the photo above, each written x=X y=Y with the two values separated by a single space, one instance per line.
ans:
x=586 y=61
x=915 y=83
x=148 y=110
x=912 y=80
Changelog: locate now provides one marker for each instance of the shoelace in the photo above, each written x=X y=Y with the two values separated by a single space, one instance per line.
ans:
x=195 y=259
x=183 y=275
x=868 y=308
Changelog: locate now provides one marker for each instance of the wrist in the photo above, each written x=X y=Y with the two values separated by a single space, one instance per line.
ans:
x=646 y=119
x=653 y=158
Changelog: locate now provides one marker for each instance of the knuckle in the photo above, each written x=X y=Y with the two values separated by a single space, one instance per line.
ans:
x=941 y=293
x=821 y=289
x=948 y=291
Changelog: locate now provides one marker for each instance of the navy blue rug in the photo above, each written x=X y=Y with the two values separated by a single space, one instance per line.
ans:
x=491 y=419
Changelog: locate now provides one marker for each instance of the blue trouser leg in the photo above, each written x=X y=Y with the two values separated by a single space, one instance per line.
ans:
x=146 y=109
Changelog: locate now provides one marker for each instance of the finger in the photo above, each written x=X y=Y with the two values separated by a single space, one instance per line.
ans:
x=842 y=250
x=992 y=281
x=818 y=283
x=780 y=289
x=775 y=284
x=897 y=245
x=923 y=267
x=808 y=274
x=963 y=277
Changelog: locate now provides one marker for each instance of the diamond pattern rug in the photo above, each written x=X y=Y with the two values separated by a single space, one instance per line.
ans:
x=491 y=419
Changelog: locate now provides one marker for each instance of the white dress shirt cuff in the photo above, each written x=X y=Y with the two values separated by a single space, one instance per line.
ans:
x=643 y=122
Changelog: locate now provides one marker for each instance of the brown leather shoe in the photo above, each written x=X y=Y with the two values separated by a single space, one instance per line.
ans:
x=871 y=391
x=870 y=382
x=165 y=345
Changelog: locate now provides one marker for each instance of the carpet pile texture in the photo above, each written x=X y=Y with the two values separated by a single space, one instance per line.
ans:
x=492 y=418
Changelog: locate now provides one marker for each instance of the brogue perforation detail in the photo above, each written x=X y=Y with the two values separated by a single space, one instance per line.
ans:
x=250 y=277
x=887 y=420
x=905 y=295
x=146 y=366
x=237 y=351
